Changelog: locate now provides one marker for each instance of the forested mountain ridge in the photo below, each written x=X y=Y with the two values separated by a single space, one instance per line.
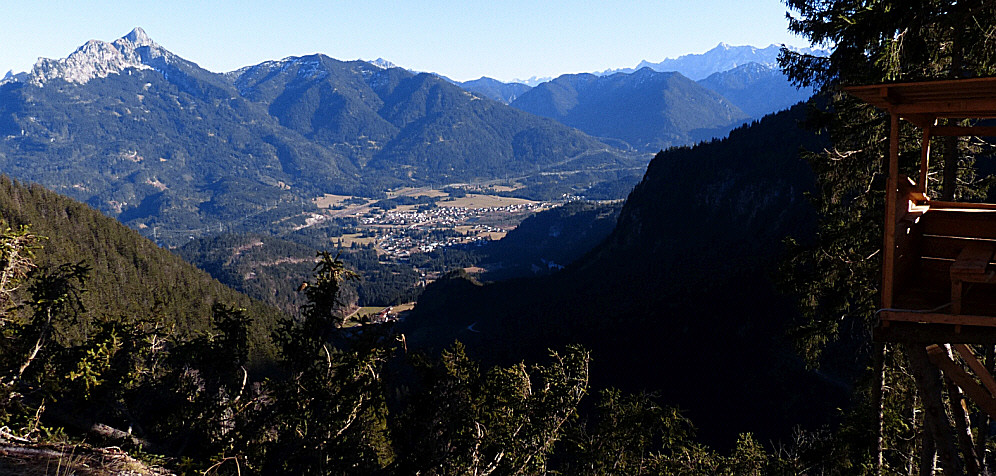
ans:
x=174 y=150
x=645 y=110
x=685 y=279
x=130 y=278
x=417 y=128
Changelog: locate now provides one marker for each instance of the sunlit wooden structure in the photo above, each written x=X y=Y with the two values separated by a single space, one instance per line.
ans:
x=938 y=273
x=939 y=281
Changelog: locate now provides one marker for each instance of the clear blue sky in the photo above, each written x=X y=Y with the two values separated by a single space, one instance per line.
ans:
x=463 y=39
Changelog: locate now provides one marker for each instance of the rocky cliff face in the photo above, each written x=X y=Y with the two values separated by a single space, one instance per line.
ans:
x=98 y=59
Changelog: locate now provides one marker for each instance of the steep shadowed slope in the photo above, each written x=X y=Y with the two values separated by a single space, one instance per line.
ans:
x=680 y=298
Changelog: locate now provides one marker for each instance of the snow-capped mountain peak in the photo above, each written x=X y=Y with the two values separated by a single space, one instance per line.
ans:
x=723 y=57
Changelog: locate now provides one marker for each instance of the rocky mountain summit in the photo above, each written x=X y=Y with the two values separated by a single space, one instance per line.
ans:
x=98 y=59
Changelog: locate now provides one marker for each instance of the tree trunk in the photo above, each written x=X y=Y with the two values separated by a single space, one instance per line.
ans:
x=950 y=179
x=879 y=402
x=928 y=453
x=928 y=381
x=963 y=427
x=983 y=422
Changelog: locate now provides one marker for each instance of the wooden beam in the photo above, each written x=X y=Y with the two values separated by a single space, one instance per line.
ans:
x=947 y=247
x=980 y=370
x=973 y=260
x=941 y=205
x=938 y=318
x=955 y=108
x=920 y=120
x=963 y=424
x=977 y=223
x=912 y=332
x=979 y=395
x=970 y=266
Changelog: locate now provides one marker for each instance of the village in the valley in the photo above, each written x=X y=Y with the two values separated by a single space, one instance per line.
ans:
x=424 y=220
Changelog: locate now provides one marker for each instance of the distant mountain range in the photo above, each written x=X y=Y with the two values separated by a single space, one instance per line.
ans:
x=637 y=115
x=169 y=147
x=645 y=110
x=722 y=58
x=176 y=151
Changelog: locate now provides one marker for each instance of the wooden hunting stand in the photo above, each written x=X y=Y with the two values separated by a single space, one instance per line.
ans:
x=938 y=273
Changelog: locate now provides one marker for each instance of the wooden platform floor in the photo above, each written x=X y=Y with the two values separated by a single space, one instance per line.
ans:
x=923 y=314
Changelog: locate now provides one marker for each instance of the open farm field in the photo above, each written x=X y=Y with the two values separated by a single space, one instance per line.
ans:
x=329 y=200
x=467 y=230
x=359 y=239
x=473 y=200
x=416 y=192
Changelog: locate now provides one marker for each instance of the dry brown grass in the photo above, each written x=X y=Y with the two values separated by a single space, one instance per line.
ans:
x=82 y=460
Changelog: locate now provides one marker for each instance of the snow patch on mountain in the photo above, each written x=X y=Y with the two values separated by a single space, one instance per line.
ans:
x=382 y=63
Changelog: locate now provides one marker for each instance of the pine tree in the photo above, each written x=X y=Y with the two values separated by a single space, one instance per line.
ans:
x=837 y=278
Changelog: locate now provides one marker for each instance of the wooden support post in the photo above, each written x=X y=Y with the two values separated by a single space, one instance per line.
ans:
x=977 y=393
x=980 y=370
x=963 y=426
x=982 y=442
x=956 y=293
x=928 y=381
